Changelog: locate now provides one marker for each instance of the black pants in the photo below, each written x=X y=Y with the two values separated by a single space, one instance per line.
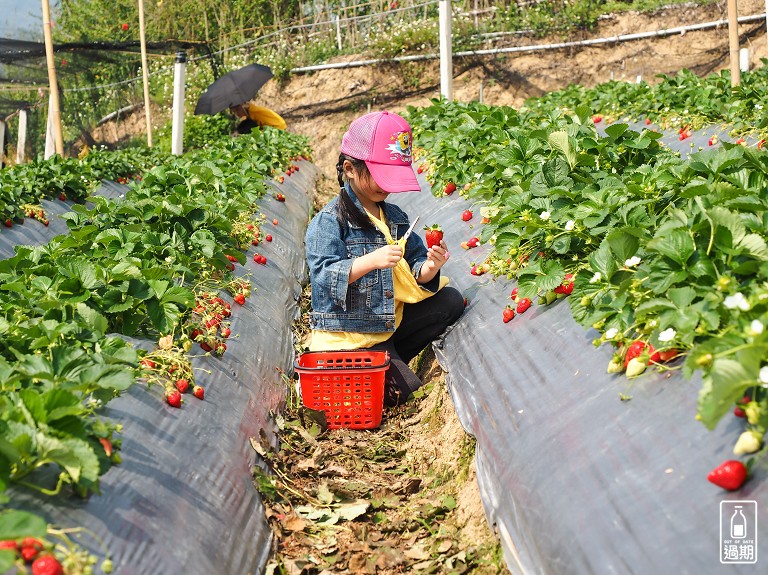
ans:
x=422 y=323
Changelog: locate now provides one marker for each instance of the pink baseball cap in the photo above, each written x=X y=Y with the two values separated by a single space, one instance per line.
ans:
x=384 y=141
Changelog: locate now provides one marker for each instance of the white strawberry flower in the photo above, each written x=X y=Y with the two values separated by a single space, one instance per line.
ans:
x=763 y=375
x=544 y=215
x=736 y=301
x=632 y=262
x=756 y=327
x=569 y=225
x=667 y=335
x=611 y=333
x=596 y=278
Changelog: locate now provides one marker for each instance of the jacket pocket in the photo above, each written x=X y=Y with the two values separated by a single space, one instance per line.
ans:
x=355 y=249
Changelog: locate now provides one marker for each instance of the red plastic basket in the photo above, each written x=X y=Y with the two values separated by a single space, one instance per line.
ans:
x=347 y=385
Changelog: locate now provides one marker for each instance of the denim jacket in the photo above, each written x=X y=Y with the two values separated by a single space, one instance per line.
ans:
x=367 y=305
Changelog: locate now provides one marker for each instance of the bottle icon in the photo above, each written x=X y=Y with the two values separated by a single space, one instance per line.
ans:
x=738 y=524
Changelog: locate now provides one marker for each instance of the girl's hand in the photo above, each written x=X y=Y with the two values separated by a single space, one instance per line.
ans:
x=385 y=257
x=437 y=255
x=382 y=258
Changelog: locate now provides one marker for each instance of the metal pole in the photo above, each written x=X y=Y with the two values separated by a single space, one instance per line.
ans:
x=744 y=59
x=145 y=73
x=177 y=129
x=21 y=141
x=446 y=55
x=733 y=42
x=2 y=143
x=58 y=135
x=338 y=30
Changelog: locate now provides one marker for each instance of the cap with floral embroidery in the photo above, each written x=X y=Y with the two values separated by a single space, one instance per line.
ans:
x=384 y=141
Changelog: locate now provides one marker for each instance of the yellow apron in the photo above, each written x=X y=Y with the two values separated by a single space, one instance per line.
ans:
x=407 y=290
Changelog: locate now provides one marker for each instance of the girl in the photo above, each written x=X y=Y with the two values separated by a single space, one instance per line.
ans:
x=369 y=290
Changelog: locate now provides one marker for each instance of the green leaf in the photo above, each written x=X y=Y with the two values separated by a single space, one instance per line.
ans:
x=623 y=244
x=16 y=524
x=560 y=141
x=93 y=319
x=676 y=244
x=722 y=386
x=602 y=260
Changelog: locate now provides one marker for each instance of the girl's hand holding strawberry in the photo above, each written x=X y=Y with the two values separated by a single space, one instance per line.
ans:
x=437 y=255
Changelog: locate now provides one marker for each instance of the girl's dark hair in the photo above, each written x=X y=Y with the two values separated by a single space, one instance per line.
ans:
x=347 y=210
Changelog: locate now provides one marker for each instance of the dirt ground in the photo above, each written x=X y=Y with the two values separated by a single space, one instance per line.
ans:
x=320 y=105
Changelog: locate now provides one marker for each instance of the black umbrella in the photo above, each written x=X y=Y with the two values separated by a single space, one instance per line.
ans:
x=236 y=87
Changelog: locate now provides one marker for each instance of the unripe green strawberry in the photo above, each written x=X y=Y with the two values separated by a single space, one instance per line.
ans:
x=616 y=365
x=748 y=442
x=635 y=367
x=753 y=410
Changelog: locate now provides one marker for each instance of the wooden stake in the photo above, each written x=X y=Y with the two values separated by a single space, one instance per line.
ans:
x=733 y=42
x=145 y=73
x=54 y=87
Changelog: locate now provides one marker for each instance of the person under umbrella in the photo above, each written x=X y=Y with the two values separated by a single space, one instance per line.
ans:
x=254 y=116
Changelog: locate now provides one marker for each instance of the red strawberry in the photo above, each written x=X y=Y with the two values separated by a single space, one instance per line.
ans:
x=420 y=169
x=513 y=295
x=47 y=565
x=240 y=298
x=9 y=544
x=63 y=197
x=566 y=287
x=466 y=215
x=760 y=144
x=30 y=547
x=226 y=332
x=597 y=118
x=107 y=445
x=221 y=348
x=124 y=26
x=523 y=305
x=507 y=314
x=147 y=363
x=268 y=238
x=741 y=142
x=173 y=397
x=638 y=347
x=275 y=222
x=450 y=187
x=668 y=355
x=730 y=475
x=279 y=197
x=8 y=223
x=198 y=392
x=182 y=385
x=738 y=411
x=647 y=121
x=206 y=346
x=433 y=235
x=231 y=258
x=472 y=242
x=711 y=141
